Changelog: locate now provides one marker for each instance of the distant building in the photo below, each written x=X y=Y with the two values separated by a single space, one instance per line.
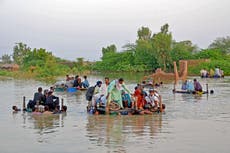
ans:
x=10 y=67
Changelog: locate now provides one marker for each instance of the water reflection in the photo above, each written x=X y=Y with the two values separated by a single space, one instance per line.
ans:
x=46 y=122
x=184 y=126
x=43 y=125
x=118 y=132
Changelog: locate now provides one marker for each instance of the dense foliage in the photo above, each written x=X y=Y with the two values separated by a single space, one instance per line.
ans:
x=151 y=51
x=217 y=59
x=20 y=51
x=148 y=53
x=221 y=43
x=6 y=59
x=41 y=64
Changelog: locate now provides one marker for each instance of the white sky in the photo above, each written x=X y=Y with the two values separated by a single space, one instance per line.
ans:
x=80 y=28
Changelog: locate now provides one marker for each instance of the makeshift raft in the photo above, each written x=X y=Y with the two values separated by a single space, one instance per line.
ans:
x=70 y=89
x=126 y=111
x=189 y=92
x=115 y=109
x=192 y=92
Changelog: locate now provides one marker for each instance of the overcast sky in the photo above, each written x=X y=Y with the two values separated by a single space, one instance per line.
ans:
x=80 y=28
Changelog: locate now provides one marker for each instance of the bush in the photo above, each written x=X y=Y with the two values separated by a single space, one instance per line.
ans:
x=222 y=64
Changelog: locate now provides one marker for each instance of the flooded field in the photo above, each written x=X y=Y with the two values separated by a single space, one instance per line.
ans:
x=190 y=124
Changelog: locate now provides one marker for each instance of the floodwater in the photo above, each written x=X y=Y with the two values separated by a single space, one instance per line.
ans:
x=190 y=124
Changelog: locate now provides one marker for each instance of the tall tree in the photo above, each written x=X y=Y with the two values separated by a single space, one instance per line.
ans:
x=144 y=54
x=144 y=33
x=129 y=47
x=182 y=50
x=37 y=57
x=165 y=28
x=222 y=43
x=80 y=61
x=109 y=50
x=162 y=43
x=20 y=51
x=6 y=58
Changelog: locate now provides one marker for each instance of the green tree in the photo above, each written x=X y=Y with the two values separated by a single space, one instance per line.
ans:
x=20 y=51
x=165 y=29
x=108 y=50
x=144 y=33
x=145 y=55
x=162 y=44
x=214 y=54
x=6 y=58
x=182 y=50
x=44 y=62
x=130 y=47
x=37 y=57
x=80 y=61
x=222 y=43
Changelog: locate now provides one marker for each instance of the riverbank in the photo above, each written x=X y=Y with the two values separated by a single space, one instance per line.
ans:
x=26 y=76
x=135 y=76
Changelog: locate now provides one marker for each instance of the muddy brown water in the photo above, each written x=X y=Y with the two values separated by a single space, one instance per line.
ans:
x=190 y=123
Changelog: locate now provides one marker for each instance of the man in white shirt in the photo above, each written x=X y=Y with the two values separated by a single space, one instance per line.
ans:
x=153 y=98
x=96 y=93
x=104 y=91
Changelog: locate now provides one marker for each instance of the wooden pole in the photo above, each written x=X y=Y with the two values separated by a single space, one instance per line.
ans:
x=174 y=88
x=135 y=102
x=24 y=103
x=107 y=104
x=160 y=103
x=183 y=70
x=62 y=102
x=107 y=109
x=37 y=103
x=175 y=72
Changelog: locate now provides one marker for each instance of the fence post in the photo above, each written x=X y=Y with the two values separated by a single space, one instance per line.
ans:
x=24 y=103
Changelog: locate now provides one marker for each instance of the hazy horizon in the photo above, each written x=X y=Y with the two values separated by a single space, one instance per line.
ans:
x=80 y=28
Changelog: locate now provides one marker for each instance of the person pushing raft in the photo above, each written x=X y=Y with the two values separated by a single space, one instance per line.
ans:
x=115 y=91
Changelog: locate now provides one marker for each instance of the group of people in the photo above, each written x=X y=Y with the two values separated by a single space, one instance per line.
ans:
x=116 y=91
x=151 y=83
x=44 y=102
x=190 y=86
x=148 y=102
x=217 y=73
x=77 y=81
